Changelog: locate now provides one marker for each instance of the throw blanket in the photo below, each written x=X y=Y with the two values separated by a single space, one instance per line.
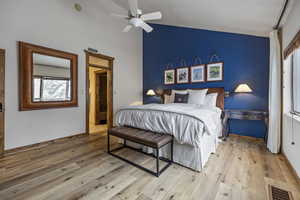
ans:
x=186 y=122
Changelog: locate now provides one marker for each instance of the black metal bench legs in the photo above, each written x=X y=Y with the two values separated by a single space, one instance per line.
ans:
x=158 y=158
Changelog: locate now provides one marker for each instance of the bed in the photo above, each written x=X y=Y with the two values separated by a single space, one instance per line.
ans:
x=196 y=128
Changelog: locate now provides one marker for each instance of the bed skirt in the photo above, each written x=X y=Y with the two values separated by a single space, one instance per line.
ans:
x=186 y=155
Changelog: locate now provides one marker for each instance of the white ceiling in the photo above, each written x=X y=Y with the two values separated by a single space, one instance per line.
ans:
x=254 y=17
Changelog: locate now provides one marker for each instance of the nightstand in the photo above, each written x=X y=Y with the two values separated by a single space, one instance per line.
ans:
x=244 y=115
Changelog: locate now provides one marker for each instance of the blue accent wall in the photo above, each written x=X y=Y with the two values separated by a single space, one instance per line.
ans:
x=246 y=60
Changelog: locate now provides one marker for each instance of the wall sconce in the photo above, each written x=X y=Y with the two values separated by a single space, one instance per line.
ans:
x=241 y=88
x=150 y=93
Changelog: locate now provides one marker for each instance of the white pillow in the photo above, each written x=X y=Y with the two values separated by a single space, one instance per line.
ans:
x=211 y=99
x=197 y=96
x=179 y=92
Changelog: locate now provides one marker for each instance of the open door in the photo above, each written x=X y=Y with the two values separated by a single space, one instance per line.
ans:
x=99 y=82
x=101 y=98
x=2 y=87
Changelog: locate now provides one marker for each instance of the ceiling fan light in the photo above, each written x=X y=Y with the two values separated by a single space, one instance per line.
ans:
x=135 y=21
x=139 y=11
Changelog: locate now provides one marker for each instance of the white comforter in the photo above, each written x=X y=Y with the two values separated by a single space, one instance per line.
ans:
x=186 y=122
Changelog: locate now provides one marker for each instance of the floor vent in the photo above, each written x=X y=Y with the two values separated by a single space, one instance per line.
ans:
x=279 y=194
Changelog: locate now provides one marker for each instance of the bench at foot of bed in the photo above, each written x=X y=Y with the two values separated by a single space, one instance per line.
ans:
x=146 y=138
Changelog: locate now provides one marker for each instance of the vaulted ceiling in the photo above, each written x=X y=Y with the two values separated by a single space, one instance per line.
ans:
x=255 y=17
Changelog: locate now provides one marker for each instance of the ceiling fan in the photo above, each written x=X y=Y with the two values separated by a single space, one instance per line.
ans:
x=137 y=19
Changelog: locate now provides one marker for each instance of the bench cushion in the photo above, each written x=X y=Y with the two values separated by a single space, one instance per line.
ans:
x=148 y=138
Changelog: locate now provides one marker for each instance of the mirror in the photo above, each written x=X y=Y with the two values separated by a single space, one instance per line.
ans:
x=48 y=78
x=51 y=78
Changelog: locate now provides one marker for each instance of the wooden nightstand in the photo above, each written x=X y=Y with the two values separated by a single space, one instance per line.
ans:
x=244 y=115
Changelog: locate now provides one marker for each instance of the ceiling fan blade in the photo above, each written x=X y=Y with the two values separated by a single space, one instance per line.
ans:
x=127 y=28
x=145 y=26
x=119 y=16
x=133 y=5
x=151 y=16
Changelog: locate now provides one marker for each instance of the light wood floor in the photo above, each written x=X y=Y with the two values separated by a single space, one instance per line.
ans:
x=79 y=168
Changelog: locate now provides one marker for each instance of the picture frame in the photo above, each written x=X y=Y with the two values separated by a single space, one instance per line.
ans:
x=197 y=73
x=169 y=77
x=182 y=75
x=215 y=72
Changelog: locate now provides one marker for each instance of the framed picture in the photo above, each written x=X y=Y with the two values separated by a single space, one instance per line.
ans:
x=169 y=76
x=182 y=75
x=198 y=73
x=214 y=71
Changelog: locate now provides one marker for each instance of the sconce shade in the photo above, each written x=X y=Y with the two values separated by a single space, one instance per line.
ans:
x=241 y=88
x=150 y=93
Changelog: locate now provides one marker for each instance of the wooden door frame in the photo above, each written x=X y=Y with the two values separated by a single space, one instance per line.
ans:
x=2 y=53
x=109 y=85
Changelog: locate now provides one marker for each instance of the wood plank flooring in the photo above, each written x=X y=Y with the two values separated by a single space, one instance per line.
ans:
x=80 y=168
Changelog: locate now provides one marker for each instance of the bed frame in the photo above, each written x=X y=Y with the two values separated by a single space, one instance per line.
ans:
x=197 y=156
x=219 y=90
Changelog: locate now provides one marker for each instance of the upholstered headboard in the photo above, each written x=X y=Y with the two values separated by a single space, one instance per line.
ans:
x=220 y=91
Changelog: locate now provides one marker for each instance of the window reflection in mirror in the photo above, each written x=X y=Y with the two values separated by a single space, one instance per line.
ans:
x=51 y=78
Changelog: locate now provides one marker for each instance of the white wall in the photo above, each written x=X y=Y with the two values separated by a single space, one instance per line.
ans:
x=291 y=132
x=291 y=126
x=291 y=25
x=55 y=24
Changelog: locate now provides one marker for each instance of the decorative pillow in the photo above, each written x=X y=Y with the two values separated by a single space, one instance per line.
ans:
x=197 y=96
x=211 y=99
x=172 y=97
x=181 y=98
x=168 y=99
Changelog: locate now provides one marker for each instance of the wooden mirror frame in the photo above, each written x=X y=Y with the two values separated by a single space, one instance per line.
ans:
x=26 y=51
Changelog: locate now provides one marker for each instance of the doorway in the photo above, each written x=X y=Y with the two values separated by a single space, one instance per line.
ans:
x=99 y=116
x=2 y=89
x=101 y=98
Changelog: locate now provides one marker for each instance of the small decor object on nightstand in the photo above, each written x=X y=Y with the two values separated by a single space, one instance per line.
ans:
x=198 y=74
x=214 y=72
x=169 y=77
x=182 y=75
